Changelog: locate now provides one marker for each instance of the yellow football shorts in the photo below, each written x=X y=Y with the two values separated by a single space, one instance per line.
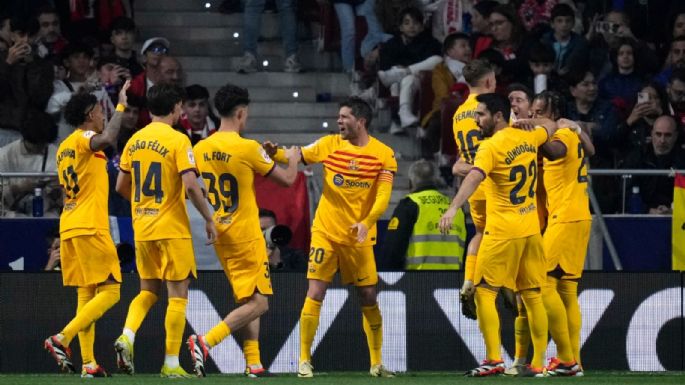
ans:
x=356 y=263
x=565 y=246
x=518 y=264
x=89 y=259
x=246 y=266
x=167 y=259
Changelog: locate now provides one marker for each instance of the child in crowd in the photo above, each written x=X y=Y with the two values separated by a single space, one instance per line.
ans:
x=570 y=49
x=403 y=57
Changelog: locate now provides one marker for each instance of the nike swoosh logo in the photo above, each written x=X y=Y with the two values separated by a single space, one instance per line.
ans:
x=361 y=279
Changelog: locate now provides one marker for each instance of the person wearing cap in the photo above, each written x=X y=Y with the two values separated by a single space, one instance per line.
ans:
x=153 y=50
x=123 y=36
x=413 y=240
x=252 y=23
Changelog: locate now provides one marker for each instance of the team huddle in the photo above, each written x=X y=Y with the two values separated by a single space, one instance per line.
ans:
x=159 y=168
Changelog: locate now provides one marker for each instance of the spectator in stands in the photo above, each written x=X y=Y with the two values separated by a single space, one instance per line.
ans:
x=661 y=154
x=652 y=102
x=603 y=35
x=122 y=37
x=509 y=38
x=674 y=60
x=5 y=33
x=25 y=78
x=480 y=24
x=543 y=73
x=197 y=121
x=76 y=58
x=570 y=49
x=403 y=57
x=281 y=258
x=35 y=152
x=412 y=242
x=53 y=252
x=170 y=70
x=252 y=23
x=49 y=32
x=388 y=12
x=625 y=80
x=112 y=76
x=676 y=94
x=457 y=52
x=346 y=11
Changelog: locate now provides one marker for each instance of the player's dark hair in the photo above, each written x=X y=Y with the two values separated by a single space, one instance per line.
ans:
x=476 y=70
x=229 y=98
x=196 y=91
x=78 y=107
x=360 y=109
x=451 y=39
x=521 y=87
x=541 y=53
x=495 y=103
x=266 y=213
x=554 y=103
x=562 y=10
x=161 y=98
x=39 y=128
x=413 y=12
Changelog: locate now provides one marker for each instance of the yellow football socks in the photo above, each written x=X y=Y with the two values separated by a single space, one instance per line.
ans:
x=139 y=308
x=558 y=324
x=537 y=321
x=309 y=322
x=251 y=352
x=106 y=296
x=521 y=335
x=568 y=290
x=86 y=337
x=373 y=328
x=217 y=334
x=175 y=324
x=469 y=267
x=488 y=321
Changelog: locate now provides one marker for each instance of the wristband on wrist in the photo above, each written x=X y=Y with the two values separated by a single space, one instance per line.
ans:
x=120 y=108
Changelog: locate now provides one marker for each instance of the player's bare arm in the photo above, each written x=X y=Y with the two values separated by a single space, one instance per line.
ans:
x=197 y=198
x=109 y=135
x=461 y=167
x=123 y=186
x=467 y=188
x=287 y=176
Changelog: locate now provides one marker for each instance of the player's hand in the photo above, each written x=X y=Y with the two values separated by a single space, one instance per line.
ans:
x=446 y=220
x=211 y=232
x=292 y=152
x=361 y=230
x=563 y=122
x=123 y=99
x=468 y=303
x=525 y=124
x=270 y=148
x=467 y=288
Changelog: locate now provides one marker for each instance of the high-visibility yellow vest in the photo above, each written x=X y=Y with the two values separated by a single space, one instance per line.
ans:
x=428 y=248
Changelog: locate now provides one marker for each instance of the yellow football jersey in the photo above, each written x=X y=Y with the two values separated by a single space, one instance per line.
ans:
x=83 y=175
x=509 y=161
x=466 y=132
x=156 y=157
x=227 y=164
x=566 y=181
x=350 y=182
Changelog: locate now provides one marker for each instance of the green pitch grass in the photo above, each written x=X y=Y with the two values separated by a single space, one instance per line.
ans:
x=420 y=378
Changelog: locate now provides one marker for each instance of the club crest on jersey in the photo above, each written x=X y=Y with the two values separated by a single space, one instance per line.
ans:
x=338 y=180
x=353 y=165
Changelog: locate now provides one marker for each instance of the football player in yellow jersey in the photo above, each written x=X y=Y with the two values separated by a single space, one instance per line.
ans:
x=227 y=164
x=511 y=252
x=157 y=169
x=480 y=76
x=88 y=256
x=358 y=175
x=568 y=231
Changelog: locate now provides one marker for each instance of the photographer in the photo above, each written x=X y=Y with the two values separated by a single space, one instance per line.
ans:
x=281 y=257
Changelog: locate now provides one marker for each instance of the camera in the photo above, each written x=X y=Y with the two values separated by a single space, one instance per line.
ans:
x=277 y=236
x=608 y=27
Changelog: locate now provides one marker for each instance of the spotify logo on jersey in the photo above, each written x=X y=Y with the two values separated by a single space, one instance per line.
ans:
x=338 y=180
